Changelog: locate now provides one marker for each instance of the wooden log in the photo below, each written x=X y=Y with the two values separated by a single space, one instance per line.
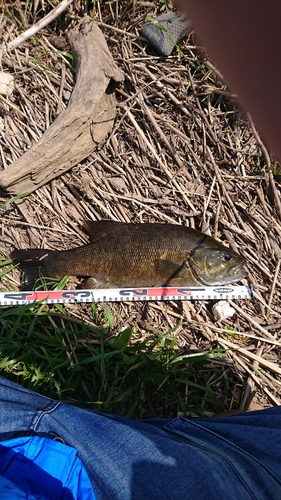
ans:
x=82 y=126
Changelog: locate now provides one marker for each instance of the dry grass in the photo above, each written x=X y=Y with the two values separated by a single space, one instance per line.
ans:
x=181 y=151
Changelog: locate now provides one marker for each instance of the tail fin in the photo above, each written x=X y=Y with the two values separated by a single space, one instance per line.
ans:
x=34 y=263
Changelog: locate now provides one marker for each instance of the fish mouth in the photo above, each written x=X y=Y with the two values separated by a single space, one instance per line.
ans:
x=237 y=272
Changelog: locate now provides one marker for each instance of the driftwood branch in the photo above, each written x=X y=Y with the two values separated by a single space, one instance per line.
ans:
x=77 y=130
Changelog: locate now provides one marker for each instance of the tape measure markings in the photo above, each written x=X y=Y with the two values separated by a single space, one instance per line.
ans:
x=126 y=294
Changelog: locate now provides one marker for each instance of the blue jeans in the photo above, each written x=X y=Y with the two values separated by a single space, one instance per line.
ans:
x=235 y=457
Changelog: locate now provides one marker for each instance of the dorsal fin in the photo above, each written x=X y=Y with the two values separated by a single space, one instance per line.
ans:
x=98 y=229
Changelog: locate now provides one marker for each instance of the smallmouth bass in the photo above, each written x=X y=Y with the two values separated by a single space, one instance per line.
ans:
x=124 y=255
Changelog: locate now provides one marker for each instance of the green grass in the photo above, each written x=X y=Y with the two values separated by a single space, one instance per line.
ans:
x=64 y=358
x=85 y=363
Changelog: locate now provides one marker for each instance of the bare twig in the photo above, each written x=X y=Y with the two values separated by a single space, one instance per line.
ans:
x=163 y=166
x=275 y=194
x=274 y=282
x=250 y=355
x=251 y=320
x=39 y=25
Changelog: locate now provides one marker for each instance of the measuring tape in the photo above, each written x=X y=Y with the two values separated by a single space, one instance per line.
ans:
x=126 y=294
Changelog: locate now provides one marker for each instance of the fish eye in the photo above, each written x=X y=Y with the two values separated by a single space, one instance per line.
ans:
x=226 y=257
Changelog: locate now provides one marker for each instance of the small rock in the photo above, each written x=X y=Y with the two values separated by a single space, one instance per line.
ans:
x=58 y=42
x=6 y=84
x=222 y=310
x=118 y=183
x=66 y=95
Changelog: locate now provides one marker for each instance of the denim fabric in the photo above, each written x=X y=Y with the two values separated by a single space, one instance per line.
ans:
x=235 y=457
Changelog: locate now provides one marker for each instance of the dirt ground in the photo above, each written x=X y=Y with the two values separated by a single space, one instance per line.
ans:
x=180 y=151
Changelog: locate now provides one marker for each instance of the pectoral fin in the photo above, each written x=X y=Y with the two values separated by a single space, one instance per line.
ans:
x=168 y=269
x=94 y=283
x=174 y=273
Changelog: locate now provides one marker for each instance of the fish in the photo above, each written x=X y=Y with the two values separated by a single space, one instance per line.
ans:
x=122 y=255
